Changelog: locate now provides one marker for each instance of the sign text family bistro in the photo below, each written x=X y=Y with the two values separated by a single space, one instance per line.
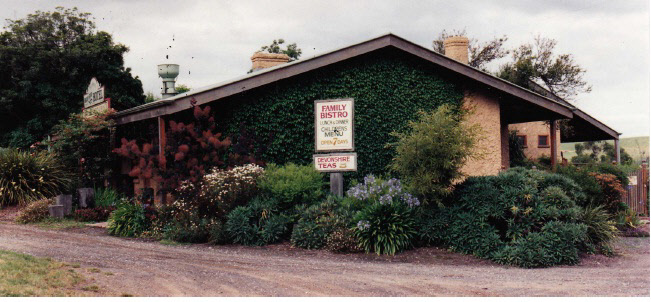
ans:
x=334 y=132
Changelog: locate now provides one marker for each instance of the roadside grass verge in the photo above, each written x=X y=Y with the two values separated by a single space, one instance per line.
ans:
x=24 y=276
x=54 y=223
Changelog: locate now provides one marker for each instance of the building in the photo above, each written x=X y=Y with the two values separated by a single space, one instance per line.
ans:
x=389 y=78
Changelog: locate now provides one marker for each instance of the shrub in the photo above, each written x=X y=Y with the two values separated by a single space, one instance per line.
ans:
x=315 y=224
x=556 y=244
x=429 y=156
x=386 y=228
x=611 y=190
x=25 y=177
x=83 y=144
x=627 y=219
x=226 y=189
x=509 y=217
x=107 y=197
x=292 y=184
x=588 y=184
x=386 y=223
x=342 y=240
x=203 y=230
x=35 y=211
x=257 y=223
x=128 y=220
x=601 y=230
x=101 y=213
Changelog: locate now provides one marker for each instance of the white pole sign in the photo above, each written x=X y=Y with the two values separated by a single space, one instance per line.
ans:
x=333 y=125
x=335 y=162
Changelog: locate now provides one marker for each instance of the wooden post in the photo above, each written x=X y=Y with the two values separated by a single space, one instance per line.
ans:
x=161 y=136
x=552 y=137
x=337 y=184
x=162 y=140
x=618 y=158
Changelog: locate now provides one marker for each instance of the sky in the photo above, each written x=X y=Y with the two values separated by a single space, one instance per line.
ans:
x=213 y=41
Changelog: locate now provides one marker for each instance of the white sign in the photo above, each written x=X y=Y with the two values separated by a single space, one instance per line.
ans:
x=333 y=125
x=632 y=180
x=335 y=162
x=94 y=94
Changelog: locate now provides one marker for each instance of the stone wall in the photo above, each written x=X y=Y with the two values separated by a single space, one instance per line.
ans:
x=486 y=113
x=532 y=130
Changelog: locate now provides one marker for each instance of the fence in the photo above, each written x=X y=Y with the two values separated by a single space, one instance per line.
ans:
x=637 y=191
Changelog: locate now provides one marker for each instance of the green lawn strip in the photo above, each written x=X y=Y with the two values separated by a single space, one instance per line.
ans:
x=66 y=223
x=24 y=275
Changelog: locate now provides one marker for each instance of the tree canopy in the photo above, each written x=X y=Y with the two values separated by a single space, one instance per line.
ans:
x=46 y=63
x=480 y=54
x=291 y=50
x=534 y=62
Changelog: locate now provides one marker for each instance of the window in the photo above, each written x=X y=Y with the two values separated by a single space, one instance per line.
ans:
x=522 y=140
x=543 y=141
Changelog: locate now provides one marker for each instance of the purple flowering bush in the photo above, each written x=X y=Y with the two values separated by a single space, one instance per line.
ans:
x=386 y=222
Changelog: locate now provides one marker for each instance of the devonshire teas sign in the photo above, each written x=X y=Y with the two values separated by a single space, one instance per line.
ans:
x=335 y=162
x=333 y=125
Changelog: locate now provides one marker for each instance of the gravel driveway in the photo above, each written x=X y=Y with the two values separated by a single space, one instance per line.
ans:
x=144 y=268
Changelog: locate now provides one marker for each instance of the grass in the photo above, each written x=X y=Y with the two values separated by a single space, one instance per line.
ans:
x=172 y=242
x=23 y=275
x=53 y=223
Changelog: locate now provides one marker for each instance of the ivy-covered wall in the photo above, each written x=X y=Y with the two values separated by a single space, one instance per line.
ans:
x=388 y=90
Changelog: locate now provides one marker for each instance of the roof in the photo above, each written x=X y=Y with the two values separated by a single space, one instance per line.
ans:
x=586 y=127
x=515 y=95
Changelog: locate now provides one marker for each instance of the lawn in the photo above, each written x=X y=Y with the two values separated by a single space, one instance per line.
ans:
x=23 y=275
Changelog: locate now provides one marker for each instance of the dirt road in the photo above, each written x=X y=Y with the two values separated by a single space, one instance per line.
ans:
x=141 y=268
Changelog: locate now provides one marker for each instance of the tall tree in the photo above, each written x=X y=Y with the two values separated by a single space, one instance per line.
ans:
x=537 y=62
x=46 y=62
x=480 y=53
x=292 y=51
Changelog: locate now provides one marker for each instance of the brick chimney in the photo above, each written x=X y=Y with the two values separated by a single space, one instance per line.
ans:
x=262 y=60
x=457 y=48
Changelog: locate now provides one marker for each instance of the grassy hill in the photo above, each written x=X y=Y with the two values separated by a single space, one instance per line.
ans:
x=637 y=147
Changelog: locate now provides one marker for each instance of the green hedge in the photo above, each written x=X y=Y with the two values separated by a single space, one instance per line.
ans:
x=388 y=91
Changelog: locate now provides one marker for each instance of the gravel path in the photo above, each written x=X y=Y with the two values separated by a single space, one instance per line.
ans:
x=143 y=268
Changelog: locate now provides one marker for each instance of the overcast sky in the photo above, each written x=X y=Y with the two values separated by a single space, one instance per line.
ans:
x=214 y=40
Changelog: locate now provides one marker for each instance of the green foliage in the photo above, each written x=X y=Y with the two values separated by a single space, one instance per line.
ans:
x=388 y=91
x=537 y=62
x=82 y=143
x=197 y=230
x=315 y=224
x=106 y=197
x=292 y=51
x=386 y=228
x=292 y=184
x=181 y=88
x=36 y=211
x=128 y=220
x=429 y=156
x=223 y=190
x=257 y=223
x=517 y=157
x=556 y=244
x=46 y=62
x=25 y=177
x=508 y=218
x=627 y=219
x=480 y=54
x=601 y=230
x=342 y=240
